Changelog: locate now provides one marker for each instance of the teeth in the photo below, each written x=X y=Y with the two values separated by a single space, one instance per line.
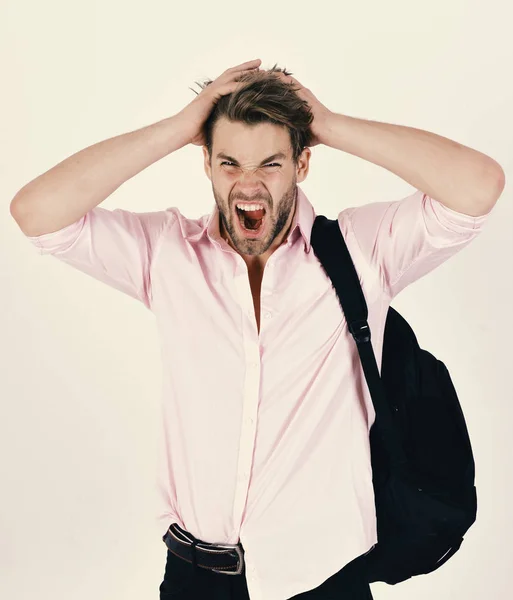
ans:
x=249 y=206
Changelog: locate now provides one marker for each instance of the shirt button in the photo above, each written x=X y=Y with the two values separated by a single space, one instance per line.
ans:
x=267 y=315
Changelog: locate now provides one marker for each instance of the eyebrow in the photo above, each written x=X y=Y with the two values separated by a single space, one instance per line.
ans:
x=279 y=155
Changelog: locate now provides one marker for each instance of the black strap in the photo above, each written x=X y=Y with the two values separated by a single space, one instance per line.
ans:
x=330 y=248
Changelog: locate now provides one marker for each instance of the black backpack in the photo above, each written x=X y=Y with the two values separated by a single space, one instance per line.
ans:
x=422 y=462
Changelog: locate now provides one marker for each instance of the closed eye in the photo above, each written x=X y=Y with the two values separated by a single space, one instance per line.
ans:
x=226 y=162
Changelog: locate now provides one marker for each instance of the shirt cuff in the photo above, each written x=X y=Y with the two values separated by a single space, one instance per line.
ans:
x=453 y=220
x=55 y=241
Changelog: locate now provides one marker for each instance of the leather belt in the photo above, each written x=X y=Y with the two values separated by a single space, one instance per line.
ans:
x=220 y=558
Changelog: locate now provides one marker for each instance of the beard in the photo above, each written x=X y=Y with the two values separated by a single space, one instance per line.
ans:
x=277 y=215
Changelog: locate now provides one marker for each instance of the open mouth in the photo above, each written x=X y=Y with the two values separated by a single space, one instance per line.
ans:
x=251 y=221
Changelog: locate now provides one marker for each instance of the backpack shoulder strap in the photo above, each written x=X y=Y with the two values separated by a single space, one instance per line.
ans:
x=330 y=248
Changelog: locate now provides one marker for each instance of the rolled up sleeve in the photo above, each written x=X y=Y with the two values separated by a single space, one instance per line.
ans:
x=113 y=246
x=406 y=239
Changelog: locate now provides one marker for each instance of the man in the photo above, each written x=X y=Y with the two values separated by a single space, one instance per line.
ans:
x=265 y=476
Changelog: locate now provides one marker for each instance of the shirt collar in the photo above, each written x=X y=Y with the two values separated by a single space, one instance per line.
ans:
x=302 y=224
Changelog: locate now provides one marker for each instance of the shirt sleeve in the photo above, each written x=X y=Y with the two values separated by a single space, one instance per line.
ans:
x=113 y=246
x=406 y=239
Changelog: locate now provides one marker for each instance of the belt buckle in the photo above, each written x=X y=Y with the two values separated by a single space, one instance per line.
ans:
x=240 y=564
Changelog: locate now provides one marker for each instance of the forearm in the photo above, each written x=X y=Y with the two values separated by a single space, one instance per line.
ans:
x=459 y=177
x=70 y=189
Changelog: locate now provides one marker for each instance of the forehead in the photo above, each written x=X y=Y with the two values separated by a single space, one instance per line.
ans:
x=252 y=142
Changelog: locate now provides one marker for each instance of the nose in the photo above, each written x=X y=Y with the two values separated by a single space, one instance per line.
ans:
x=249 y=181
x=249 y=174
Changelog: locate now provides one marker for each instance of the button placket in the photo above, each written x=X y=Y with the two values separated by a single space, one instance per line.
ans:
x=248 y=426
x=251 y=392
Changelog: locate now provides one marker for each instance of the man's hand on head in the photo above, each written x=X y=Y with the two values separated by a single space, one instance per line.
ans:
x=321 y=113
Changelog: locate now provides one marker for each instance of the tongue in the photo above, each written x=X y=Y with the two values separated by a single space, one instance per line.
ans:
x=253 y=218
x=254 y=215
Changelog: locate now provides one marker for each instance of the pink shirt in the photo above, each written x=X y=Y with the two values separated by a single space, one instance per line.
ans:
x=265 y=437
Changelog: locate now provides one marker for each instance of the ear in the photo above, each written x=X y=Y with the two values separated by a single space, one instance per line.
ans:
x=303 y=164
x=206 y=163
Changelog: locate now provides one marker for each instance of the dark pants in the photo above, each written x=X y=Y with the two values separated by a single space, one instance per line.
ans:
x=183 y=581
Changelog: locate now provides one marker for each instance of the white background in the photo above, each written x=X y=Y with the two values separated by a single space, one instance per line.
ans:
x=80 y=385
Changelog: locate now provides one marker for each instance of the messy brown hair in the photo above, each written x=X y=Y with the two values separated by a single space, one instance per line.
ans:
x=264 y=98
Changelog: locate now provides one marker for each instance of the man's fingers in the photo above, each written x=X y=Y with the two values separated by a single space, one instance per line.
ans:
x=250 y=64
x=287 y=78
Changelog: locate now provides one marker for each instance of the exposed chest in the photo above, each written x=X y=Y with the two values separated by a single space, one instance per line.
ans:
x=255 y=282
